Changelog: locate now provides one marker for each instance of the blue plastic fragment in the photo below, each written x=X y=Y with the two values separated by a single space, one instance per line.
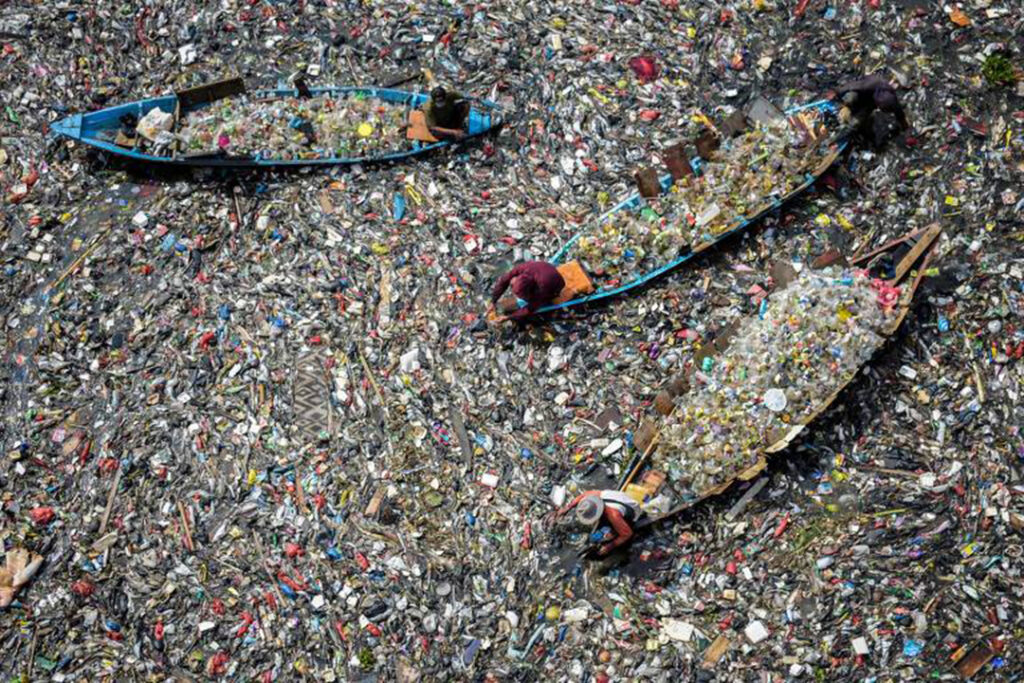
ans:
x=912 y=648
x=399 y=206
x=470 y=654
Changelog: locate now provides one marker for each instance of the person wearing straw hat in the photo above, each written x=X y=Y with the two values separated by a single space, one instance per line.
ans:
x=615 y=507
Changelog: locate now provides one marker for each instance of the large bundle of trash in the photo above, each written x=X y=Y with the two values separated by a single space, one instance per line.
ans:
x=296 y=128
x=766 y=161
x=806 y=342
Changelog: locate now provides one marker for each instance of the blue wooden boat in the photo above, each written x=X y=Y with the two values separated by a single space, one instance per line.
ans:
x=570 y=267
x=100 y=129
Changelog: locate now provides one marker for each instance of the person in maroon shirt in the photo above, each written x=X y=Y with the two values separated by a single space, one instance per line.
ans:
x=535 y=284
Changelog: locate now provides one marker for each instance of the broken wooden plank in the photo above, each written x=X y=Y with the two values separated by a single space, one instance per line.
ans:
x=460 y=432
x=374 y=505
x=715 y=651
x=971 y=663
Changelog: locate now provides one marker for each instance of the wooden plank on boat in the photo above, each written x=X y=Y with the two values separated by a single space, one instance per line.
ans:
x=211 y=92
x=123 y=140
x=400 y=77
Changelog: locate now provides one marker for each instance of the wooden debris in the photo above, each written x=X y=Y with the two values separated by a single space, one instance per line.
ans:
x=186 y=531
x=211 y=92
x=715 y=651
x=110 y=501
x=460 y=432
x=970 y=664
x=374 y=506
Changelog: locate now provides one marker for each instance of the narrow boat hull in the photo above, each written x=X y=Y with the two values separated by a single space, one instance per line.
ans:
x=739 y=225
x=484 y=117
x=913 y=265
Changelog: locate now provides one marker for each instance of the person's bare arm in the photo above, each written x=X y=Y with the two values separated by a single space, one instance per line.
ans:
x=502 y=284
x=623 y=531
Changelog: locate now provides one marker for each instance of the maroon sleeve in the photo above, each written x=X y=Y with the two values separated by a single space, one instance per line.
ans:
x=502 y=284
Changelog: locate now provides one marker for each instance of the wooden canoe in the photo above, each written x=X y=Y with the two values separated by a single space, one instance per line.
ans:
x=103 y=129
x=831 y=148
x=916 y=251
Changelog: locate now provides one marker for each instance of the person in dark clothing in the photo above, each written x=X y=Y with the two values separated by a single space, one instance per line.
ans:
x=534 y=284
x=446 y=111
x=862 y=98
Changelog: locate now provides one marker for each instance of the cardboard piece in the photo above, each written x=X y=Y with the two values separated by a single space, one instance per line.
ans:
x=418 y=129
x=643 y=437
x=647 y=182
x=677 y=161
x=715 y=651
x=707 y=143
x=663 y=403
x=577 y=282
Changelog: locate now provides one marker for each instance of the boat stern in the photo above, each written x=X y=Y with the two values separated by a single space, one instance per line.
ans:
x=481 y=121
x=70 y=127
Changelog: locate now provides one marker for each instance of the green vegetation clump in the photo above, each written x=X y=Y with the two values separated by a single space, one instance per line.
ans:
x=998 y=70
x=366 y=659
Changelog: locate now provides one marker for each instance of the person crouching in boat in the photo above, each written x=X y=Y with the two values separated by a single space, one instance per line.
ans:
x=534 y=284
x=446 y=113
x=860 y=100
x=610 y=505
